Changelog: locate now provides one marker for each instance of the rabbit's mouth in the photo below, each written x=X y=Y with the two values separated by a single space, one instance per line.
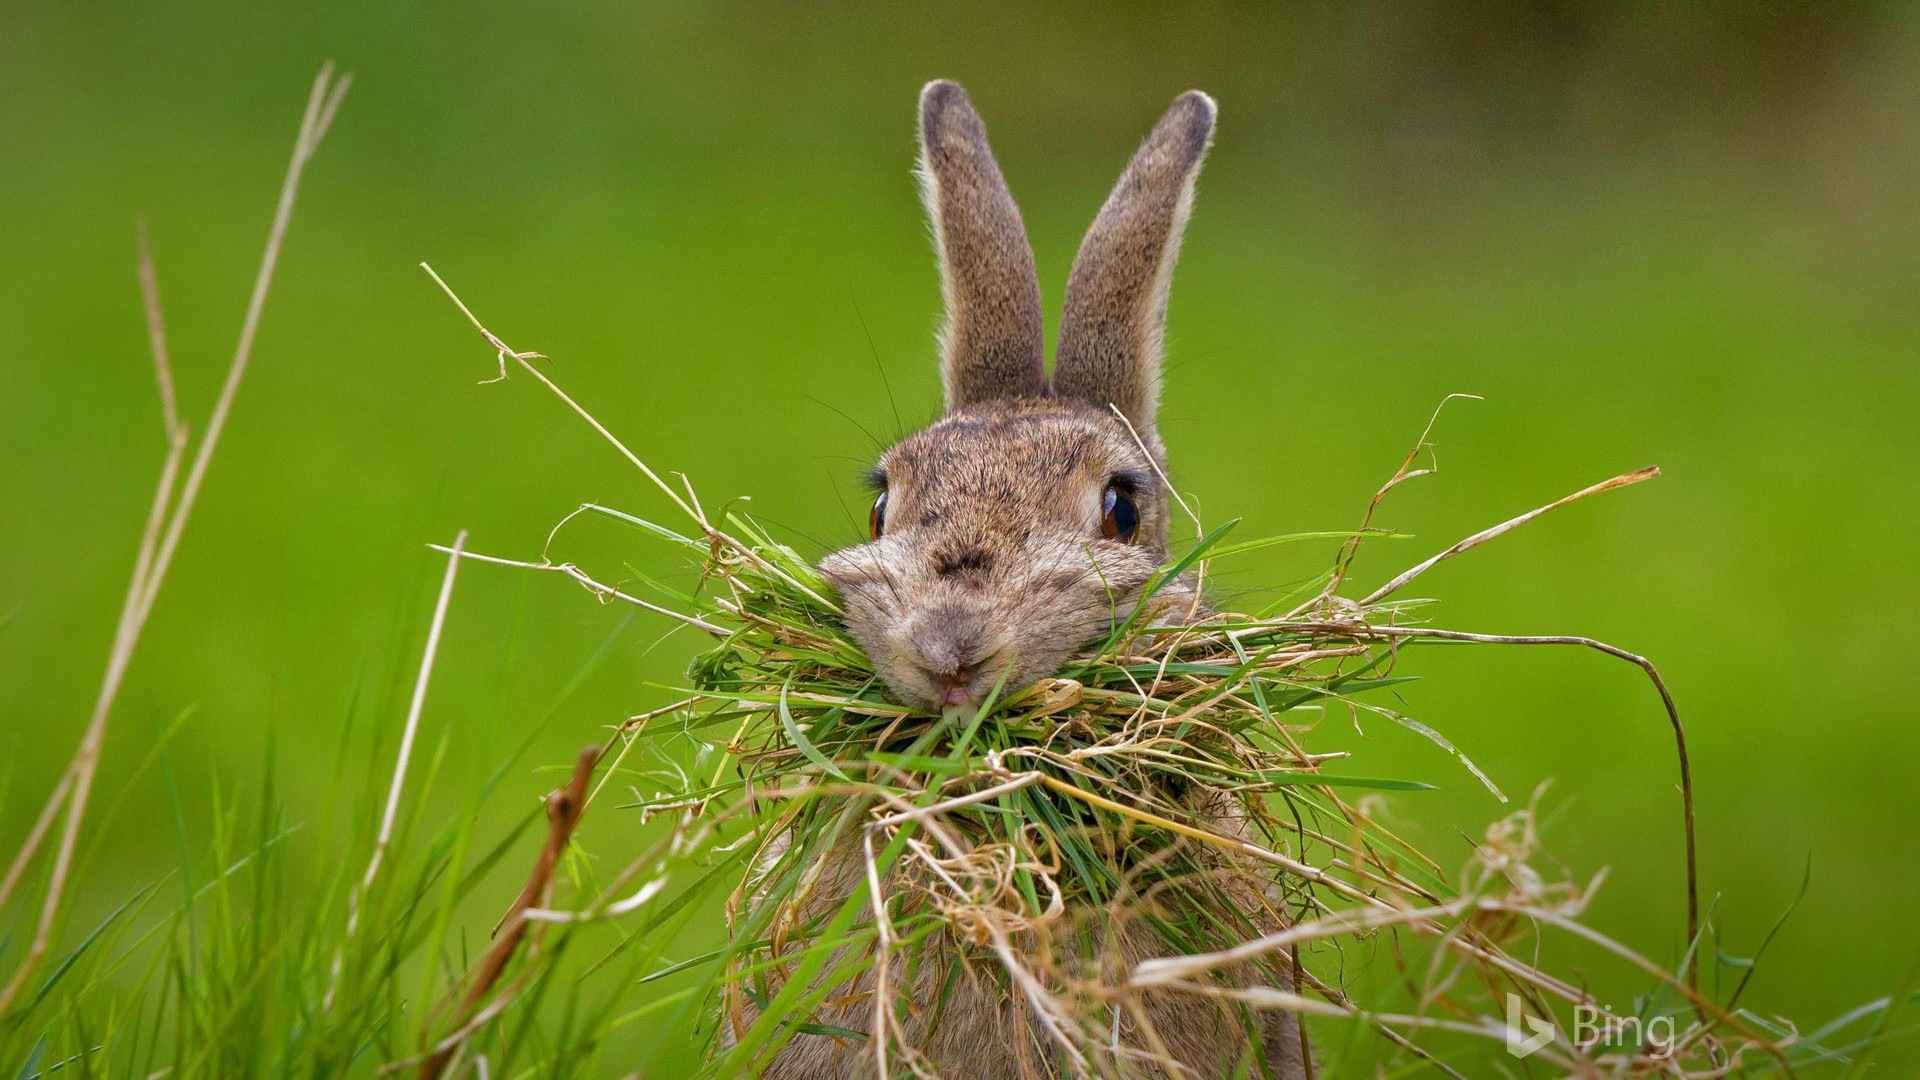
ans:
x=945 y=673
x=956 y=687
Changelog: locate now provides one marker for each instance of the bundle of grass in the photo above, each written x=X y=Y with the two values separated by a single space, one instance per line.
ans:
x=891 y=860
x=1037 y=828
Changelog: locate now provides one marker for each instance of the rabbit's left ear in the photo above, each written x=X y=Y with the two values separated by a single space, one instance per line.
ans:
x=1116 y=307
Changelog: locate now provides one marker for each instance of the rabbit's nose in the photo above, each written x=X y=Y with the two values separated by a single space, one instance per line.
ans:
x=948 y=647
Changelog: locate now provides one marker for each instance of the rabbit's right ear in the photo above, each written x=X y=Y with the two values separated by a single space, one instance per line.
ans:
x=992 y=345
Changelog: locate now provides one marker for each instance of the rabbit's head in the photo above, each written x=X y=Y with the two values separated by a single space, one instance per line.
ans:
x=1027 y=520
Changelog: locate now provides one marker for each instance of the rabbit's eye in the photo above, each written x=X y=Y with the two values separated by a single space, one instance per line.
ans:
x=877 y=517
x=1119 y=518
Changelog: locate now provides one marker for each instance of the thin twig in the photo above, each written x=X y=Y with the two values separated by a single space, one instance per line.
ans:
x=1485 y=535
x=35 y=835
x=563 y=813
x=882 y=960
x=1199 y=530
x=322 y=102
x=691 y=509
x=1350 y=548
x=126 y=634
x=453 y=1043
x=384 y=839
x=525 y=360
x=605 y=592
x=157 y=544
x=157 y=343
x=1679 y=744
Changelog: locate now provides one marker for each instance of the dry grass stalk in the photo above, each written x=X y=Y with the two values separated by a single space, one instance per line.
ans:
x=564 y=807
x=166 y=522
x=415 y=706
x=604 y=592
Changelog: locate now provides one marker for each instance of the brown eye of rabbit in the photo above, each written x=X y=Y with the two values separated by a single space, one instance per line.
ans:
x=877 y=517
x=1119 y=518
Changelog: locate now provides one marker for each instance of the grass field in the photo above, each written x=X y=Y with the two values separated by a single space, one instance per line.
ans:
x=1671 y=239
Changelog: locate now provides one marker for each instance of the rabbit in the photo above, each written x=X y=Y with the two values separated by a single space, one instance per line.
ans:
x=1002 y=535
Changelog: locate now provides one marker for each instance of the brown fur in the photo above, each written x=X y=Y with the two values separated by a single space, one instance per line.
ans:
x=992 y=568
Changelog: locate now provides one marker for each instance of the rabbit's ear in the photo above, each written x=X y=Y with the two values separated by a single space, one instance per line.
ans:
x=1116 y=303
x=992 y=345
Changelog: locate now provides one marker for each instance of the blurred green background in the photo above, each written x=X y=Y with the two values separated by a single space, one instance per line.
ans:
x=1680 y=234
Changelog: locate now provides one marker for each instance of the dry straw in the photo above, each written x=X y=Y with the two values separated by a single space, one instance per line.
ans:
x=1010 y=825
x=172 y=507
